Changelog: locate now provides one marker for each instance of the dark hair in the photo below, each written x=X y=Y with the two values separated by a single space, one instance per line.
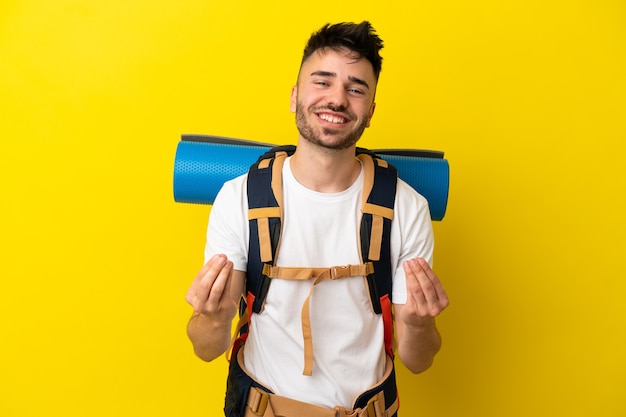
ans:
x=359 y=38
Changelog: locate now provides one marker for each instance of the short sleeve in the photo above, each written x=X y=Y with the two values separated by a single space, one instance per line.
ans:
x=227 y=232
x=411 y=235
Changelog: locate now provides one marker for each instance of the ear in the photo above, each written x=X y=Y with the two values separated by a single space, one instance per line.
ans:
x=371 y=114
x=294 y=99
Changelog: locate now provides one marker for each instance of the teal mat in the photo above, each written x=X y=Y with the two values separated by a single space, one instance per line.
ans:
x=203 y=163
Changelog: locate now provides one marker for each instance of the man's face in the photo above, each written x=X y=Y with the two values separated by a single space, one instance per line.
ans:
x=334 y=98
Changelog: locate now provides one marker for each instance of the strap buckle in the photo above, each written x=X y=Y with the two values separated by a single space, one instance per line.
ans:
x=337 y=272
x=258 y=401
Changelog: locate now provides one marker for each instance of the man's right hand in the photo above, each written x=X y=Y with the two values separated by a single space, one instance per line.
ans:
x=214 y=295
x=210 y=292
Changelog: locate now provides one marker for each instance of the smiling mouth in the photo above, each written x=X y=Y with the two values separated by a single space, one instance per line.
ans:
x=332 y=118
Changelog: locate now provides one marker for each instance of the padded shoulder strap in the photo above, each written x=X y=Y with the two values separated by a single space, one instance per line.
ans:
x=264 y=218
x=379 y=194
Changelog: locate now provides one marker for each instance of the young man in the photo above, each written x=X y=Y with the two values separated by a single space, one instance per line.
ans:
x=322 y=182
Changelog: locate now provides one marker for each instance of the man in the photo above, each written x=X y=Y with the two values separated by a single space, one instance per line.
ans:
x=334 y=102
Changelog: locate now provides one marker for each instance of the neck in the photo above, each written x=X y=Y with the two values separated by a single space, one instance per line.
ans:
x=325 y=170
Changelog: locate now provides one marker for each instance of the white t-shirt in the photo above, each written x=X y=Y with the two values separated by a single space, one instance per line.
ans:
x=319 y=230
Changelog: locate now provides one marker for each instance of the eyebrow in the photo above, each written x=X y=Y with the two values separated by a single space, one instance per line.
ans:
x=332 y=74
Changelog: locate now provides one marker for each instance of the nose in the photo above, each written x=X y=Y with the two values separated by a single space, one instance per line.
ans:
x=337 y=98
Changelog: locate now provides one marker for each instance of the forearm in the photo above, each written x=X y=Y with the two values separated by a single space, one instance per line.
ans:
x=417 y=346
x=209 y=339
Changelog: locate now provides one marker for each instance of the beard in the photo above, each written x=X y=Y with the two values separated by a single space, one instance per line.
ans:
x=315 y=137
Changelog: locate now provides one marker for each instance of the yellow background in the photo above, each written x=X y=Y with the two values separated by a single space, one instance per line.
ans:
x=526 y=98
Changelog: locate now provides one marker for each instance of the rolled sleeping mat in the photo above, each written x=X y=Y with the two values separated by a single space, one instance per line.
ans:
x=204 y=163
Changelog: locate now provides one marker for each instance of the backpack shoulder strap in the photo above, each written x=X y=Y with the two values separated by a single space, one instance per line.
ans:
x=379 y=193
x=264 y=218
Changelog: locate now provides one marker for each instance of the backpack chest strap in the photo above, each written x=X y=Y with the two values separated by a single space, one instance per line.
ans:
x=320 y=275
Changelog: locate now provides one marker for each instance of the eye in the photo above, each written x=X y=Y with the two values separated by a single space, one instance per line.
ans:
x=356 y=91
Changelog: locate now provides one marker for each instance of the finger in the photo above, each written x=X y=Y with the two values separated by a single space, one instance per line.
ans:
x=430 y=298
x=418 y=274
x=437 y=286
x=220 y=290
x=415 y=294
x=201 y=287
x=195 y=291
x=427 y=278
x=193 y=288
x=212 y=268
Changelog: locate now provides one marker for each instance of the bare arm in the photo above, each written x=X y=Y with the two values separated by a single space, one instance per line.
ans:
x=214 y=295
x=418 y=338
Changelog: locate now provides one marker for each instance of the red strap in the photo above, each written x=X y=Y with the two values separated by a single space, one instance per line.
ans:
x=385 y=305
x=249 y=303
x=237 y=340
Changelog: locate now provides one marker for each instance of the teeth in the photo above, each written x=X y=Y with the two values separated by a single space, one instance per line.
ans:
x=332 y=119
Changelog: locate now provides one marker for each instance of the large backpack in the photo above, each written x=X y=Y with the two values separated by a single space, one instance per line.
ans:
x=264 y=189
